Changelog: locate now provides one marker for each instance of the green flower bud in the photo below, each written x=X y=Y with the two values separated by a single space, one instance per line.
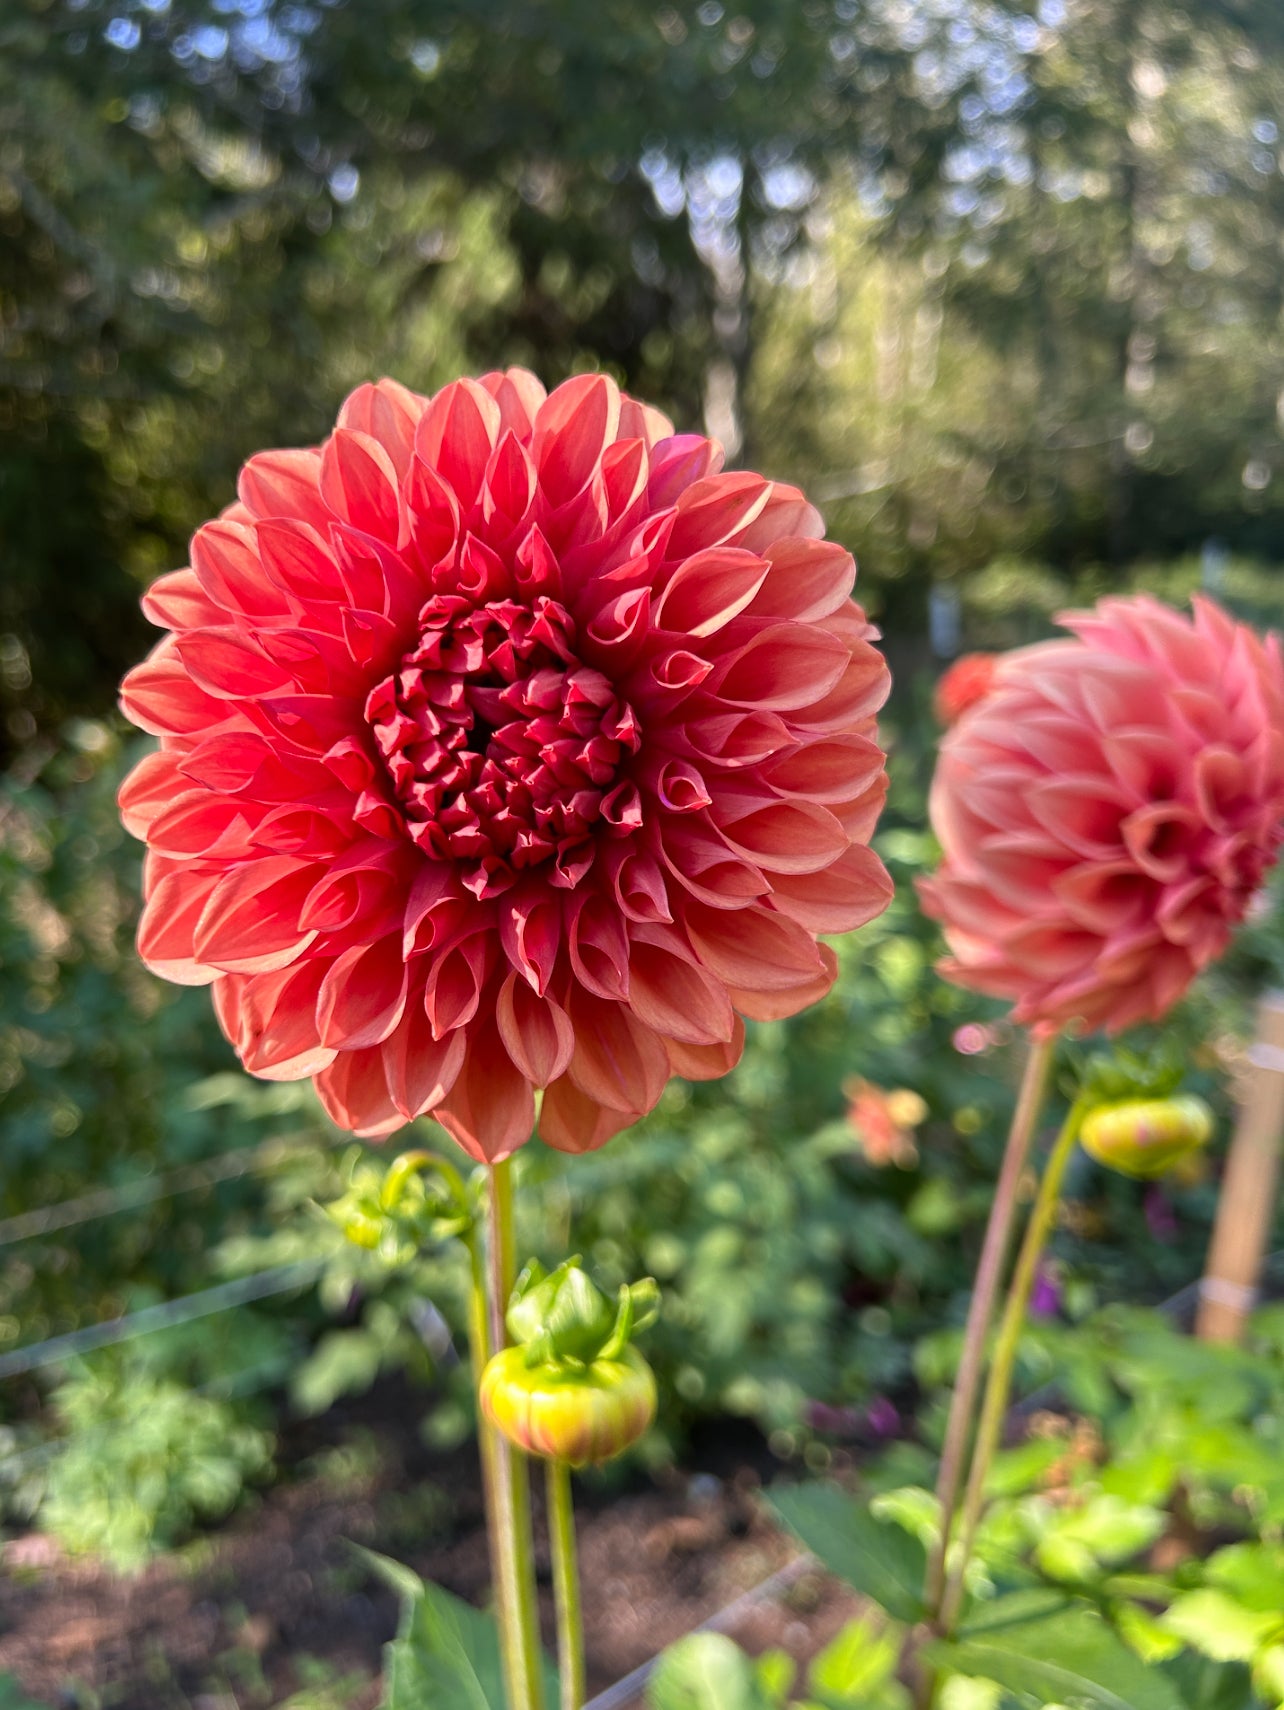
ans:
x=567 y=1412
x=1145 y=1137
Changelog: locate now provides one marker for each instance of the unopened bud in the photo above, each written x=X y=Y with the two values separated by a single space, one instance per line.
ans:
x=569 y=1413
x=1145 y=1137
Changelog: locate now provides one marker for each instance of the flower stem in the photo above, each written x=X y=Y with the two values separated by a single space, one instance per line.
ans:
x=999 y=1383
x=512 y=1540
x=566 y=1586
x=989 y=1274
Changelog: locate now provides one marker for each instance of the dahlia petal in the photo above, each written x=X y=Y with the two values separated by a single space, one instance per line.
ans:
x=786 y=666
x=490 y=1110
x=739 y=739
x=197 y=823
x=830 y=769
x=519 y=396
x=363 y=996
x=1157 y=837
x=226 y=564
x=387 y=412
x=851 y=891
x=168 y=925
x=1221 y=782
x=148 y=790
x=859 y=692
x=644 y=422
x=785 y=837
x=708 y=589
x=419 y=1069
x=159 y=697
x=1085 y=812
x=623 y=475
x=753 y=948
x=295 y=557
x=618 y=1062
x=509 y=484
x=365 y=887
x=677 y=461
x=1109 y=897
x=772 y=1003
x=637 y=885
x=178 y=601
x=250 y=924
x=434 y=514
x=270 y=1020
x=456 y=436
x=537 y=1032
x=786 y=513
x=284 y=484
x=599 y=949
x=571 y=1121
x=707 y=1062
x=860 y=816
x=680 y=787
x=452 y=992
x=359 y=484
x=574 y=426
x=227 y=664
x=806 y=579
x=354 y=1094
x=672 y=995
x=703 y=863
x=313 y=723
x=712 y=511
x=228 y=762
x=530 y=931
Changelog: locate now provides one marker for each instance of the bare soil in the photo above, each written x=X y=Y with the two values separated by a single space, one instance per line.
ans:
x=276 y=1603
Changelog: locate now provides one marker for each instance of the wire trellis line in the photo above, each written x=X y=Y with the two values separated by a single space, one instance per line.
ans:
x=279 y=1279
x=147 y=1190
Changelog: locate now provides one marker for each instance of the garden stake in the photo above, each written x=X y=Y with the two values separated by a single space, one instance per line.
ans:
x=515 y=1584
x=989 y=1275
x=566 y=1586
x=1234 y=1267
x=999 y=1383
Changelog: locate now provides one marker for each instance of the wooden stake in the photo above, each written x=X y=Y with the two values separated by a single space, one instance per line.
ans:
x=1247 y=1205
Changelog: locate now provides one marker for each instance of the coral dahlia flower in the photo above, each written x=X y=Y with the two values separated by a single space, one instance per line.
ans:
x=505 y=744
x=1107 y=811
x=967 y=681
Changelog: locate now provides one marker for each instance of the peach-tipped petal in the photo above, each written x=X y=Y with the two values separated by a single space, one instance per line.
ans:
x=1106 y=810
x=507 y=744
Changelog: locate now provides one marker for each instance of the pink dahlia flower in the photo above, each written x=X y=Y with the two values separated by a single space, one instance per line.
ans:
x=1107 y=812
x=505 y=744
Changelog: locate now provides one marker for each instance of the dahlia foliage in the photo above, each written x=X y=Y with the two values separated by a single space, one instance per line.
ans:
x=1107 y=810
x=505 y=744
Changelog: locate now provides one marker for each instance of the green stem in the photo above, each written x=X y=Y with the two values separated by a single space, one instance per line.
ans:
x=566 y=1586
x=515 y=1546
x=989 y=1275
x=480 y=1350
x=999 y=1384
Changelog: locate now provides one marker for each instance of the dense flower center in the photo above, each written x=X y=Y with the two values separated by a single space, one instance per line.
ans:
x=503 y=749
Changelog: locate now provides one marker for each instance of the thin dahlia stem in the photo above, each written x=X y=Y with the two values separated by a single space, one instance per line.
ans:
x=999 y=1383
x=514 y=1544
x=989 y=1276
x=566 y=1587
x=488 y=1439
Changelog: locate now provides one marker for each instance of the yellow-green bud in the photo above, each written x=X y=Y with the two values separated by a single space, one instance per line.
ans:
x=570 y=1413
x=1145 y=1137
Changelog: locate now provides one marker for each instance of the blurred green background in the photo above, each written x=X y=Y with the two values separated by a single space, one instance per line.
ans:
x=1000 y=286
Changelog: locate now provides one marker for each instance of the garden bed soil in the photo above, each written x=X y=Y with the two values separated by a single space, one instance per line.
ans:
x=277 y=1602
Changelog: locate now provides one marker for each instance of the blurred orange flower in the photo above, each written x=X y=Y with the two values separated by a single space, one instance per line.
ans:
x=884 y=1122
x=968 y=680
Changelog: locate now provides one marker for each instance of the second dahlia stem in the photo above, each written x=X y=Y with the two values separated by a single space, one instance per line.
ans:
x=514 y=1547
x=989 y=1276
x=566 y=1587
x=999 y=1384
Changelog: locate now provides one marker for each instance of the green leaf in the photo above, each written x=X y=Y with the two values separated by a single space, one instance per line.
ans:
x=446 y=1653
x=1219 y=1626
x=1066 y=1657
x=705 y=1671
x=874 y=1556
x=14 y=1697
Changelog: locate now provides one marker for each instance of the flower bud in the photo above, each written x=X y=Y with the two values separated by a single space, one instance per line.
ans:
x=566 y=1412
x=1145 y=1137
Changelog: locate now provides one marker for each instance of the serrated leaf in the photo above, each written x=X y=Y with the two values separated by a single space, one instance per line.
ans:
x=446 y=1653
x=875 y=1556
x=705 y=1671
x=1067 y=1657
